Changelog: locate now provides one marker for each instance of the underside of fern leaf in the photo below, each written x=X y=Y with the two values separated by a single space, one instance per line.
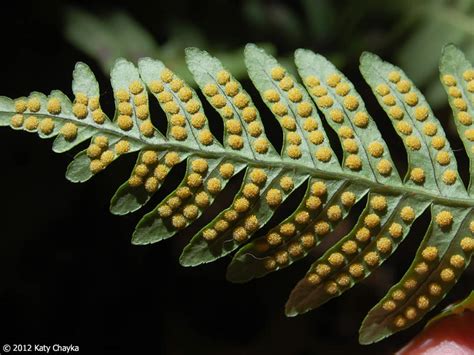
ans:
x=270 y=177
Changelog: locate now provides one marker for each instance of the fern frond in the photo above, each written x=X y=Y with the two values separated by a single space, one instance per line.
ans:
x=269 y=177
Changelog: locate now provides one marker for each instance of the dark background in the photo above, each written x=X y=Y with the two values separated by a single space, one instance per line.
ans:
x=68 y=272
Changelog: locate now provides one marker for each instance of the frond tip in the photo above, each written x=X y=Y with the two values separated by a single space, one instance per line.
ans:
x=307 y=159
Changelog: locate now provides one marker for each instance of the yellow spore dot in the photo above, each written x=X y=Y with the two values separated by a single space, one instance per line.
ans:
x=378 y=203
x=421 y=268
x=134 y=180
x=430 y=129
x=269 y=264
x=384 y=245
x=323 y=154
x=271 y=95
x=170 y=107
x=400 y=321
x=151 y=184
x=101 y=141
x=161 y=171
x=333 y=79
x=307 y=240
x=389 y=306
x=222 y=77
x=185 y=94
x=319 y=91
x=281 y=257
x=31 y=123
x=454 y=92
x=202 y=199
x=343 y=280
x=190 y=211
x=258 y=176
x=460 y=104
x=447 y=275
x=394 y=76
x=79 y=110
x=241 y=100
x=382 y=89
x=147 y=129
x=336 y=115
x=403 y=86
x=141 y=111
x=396 y=230
x=122 y=147
x=469 y=134
x=468 y=75
x=287 y=229
x=438 y=142
x=413 y=142
x=210 y=90
x=346 y=132
x=141 y=170
x=293 y=151
x=449 y=177
x=286 y=183
x=98 y=116
x=214 y=185
x=396 y=113
x=325 y=101
x=239 y=234
x=226 y=170
x=349 y=247
x=221 y=225
x=69 y=131
x=351 y=102
x=302 y=217
x=293 y=138
x=96 y=166
x=199 y=166
x=34 y=104
x=149 y=157
x=198 y=120
x=232 y=88
x=250 y=190
x=46 y=126
x=178 y=120
x=166 y=75
x=249 y=114
x=464 y=118
x=54 y=106
x=334 y=213
x=172 y=159
x=288 y=123
x=467 y=244
x=449 y=80
x=458 y=261
x=274 y=239
x=279 y=109
x=312 y=81
x=193 y=106
x=156 y=86
x=323 y=270
x=407 y=214
x=375 y=149
x=135 y=87
x=183 y=192
x=227 y=112
x=372 y=258
x=209 y=234
x=372 y=220
x=348 y=199
x=361 y=119
x=470 y=86
x=423 y=302
x=313 y=279
x=353 y=162
x=313 y=203
x=286 y=83
x=350 y=145
x=444 y=219
x=389 y=100
x=218 y=101
x=384 y=167
x=310 y=125
x=342 y=89
x=261 y=145
x=233 y=126
x=20 y=106
x=295 y=95
x=411 y=98
x=404 y=127
x=430 y=253
x=179 y=133
x=435 y=289
x=178 y=221
x=164 y=97
x=421 y=113
x=322 y=228
x=336 y=259
x=319 y=188
x=273 y=197
x=194 y=180
x=235 y=142
x=356 y=270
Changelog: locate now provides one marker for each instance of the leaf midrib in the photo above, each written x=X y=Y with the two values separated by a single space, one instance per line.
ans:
x=312 y=171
